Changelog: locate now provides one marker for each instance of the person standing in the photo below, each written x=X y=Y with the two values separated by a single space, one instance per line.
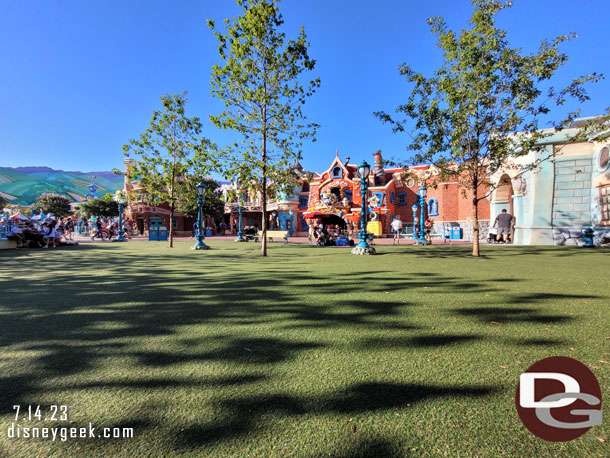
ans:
x=505 y=222
x=396 y=230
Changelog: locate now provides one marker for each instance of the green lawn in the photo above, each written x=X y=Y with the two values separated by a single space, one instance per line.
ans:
x=309 y=352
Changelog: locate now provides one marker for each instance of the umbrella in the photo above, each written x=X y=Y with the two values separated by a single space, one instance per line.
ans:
x=38 y=217
x=19 y=216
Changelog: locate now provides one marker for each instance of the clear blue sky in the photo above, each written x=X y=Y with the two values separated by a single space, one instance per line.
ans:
x=79 y=78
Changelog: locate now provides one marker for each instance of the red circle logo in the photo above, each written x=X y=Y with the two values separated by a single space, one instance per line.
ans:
x=559 y=399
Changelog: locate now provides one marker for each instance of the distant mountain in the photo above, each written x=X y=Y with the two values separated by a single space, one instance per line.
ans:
x=22 y=185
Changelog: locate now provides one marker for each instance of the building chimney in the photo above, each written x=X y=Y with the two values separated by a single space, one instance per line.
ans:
x=379 y=172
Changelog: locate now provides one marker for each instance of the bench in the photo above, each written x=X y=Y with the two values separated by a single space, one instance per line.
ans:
x=271 y=234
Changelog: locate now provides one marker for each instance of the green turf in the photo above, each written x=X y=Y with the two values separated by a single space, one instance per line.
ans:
x=309 y=352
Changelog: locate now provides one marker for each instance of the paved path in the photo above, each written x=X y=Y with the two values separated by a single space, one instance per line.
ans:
x=296 y=240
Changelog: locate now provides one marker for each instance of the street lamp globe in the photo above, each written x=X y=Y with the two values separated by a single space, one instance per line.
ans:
x=422 y=191
x=201 y=187
x=363 y=170
x=120 y=198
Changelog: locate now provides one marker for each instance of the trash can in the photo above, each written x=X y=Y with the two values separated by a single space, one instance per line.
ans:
x=153 y=234
x=208 y=232
x=163 y=232
x=456 y=233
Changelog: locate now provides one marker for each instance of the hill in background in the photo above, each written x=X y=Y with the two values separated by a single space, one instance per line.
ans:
x=22 y=185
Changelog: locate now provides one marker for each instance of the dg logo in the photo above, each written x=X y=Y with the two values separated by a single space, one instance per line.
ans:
x=559 y=399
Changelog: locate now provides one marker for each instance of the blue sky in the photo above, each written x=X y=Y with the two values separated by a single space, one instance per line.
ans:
x=79 y=78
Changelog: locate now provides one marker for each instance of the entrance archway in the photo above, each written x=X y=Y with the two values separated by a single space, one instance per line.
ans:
x=504 y=192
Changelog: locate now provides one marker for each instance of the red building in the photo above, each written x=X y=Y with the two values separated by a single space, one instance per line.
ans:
x=336 y=191
x=146 y=214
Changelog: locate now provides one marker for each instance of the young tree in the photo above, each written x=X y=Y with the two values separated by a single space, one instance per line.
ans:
x=169 y=149
x=105 y=207
x=213 y=205
x=260 y=85
x=53 y=203
x=484 y=104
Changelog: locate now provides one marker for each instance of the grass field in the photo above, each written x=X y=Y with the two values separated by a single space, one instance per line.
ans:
x=309 y=352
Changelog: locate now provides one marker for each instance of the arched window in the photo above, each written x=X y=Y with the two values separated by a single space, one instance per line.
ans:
x=432 y=207
x=392 y=198
x=337 y=172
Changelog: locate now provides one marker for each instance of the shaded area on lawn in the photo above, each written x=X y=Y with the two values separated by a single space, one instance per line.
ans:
x=67 y=318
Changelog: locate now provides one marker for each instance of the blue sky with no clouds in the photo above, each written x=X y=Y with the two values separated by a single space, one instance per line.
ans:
x=78 y=79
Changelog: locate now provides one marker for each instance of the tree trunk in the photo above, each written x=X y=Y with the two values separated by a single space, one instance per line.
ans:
x=171 y=226
x=264 y=197
x=475 y=224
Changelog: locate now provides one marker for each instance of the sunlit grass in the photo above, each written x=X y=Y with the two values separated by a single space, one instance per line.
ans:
x=309 y=352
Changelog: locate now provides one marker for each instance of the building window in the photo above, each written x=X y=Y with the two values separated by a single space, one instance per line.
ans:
x=337 y=172
x=402 y=199
x=392 y=197
x=303 y=200
x=304 y=225
x=305 y=187
x=433 y=207
x=410 y=182
x=604 y=201
x=348 y=195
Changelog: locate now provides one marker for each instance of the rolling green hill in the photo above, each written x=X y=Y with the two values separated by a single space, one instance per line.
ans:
x=23 y=185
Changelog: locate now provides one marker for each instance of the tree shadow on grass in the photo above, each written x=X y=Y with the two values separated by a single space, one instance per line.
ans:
x=246 y=415
x=509 y=315
x=438 y=340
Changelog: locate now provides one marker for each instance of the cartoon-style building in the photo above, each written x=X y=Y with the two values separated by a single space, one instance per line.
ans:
x=147 y=214
x=568 y=192
x=334 y=196
x=391 y=194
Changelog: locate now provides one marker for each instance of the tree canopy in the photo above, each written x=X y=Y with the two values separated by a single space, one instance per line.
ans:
x=485 y=104
x=260 y=83
x=53 y=203
x=169 y=149
x=104 y=207
x=213 y=205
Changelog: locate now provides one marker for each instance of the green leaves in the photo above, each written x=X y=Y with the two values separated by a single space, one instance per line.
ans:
x=260 y=83
x=104 y=206
x=484 y=104
x=169 y=150
x=53 y=203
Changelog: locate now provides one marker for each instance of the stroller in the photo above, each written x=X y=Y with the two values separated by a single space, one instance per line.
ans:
x=492 y=237
x=250 y=233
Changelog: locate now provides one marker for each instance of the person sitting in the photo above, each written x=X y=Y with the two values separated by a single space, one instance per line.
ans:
x=16 y=234
x=49 y=234
x=33 y=236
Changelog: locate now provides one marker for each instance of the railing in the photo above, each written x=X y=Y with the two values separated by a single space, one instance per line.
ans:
x=5 y=229
x=247 y=207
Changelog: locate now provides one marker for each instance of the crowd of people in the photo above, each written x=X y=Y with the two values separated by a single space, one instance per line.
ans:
x=54 y=231
x=106 y=230
x=50 y=232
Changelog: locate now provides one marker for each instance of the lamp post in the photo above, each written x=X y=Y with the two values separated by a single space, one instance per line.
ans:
x=422 y=192
x=363 y=247
x=240 y=232
x=121 y=200
x=414 y=208
x=199 y=245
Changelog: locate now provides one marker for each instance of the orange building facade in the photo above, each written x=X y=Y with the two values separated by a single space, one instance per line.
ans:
x=391 y=194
